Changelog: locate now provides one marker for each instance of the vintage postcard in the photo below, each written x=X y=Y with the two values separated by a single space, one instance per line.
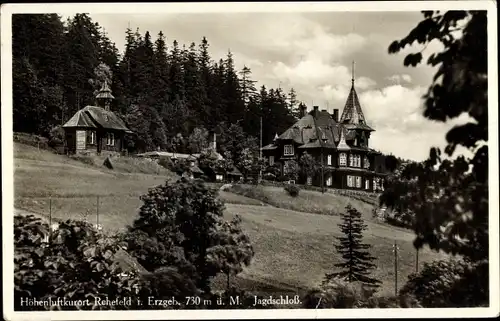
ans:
x=250 y=160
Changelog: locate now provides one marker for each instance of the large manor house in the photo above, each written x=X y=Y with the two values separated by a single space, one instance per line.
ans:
x=339 y=146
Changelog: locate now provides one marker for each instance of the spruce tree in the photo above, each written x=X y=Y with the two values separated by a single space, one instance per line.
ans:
x=357 y=261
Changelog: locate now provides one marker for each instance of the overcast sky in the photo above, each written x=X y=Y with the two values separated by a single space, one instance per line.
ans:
x=313 y=53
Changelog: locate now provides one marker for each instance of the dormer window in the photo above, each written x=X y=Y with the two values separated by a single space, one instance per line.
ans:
x=288 y=150
x=106 y=118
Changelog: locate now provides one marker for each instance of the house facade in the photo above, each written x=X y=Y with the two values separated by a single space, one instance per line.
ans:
x=95 y=129
x=339 y=147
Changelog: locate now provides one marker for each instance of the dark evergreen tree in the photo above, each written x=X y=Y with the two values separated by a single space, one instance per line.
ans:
x=82 y=51
x=234 y=107
x=38 y=70
x=247 y=85
x=293 y=104
x=357 y=261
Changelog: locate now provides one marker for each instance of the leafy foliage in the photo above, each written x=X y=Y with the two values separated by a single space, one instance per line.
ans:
x=292 y=190
x=446 y=201
x=76 y=267
x=357 y=261
x=348 y=295
x=198 y=140
x=452 y=283
x=71 y=261
x=308 y=165
x=291 y=169
x=449 y=198
x=181 y=224
x=231 y=250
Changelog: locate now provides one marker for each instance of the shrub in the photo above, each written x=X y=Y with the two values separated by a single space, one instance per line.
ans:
x=56 y=137
x=75 y=262
x=292 y=190
x=338 y=294
x=32 y=140
x=450 y=283
x=181 y=224
x=71 y=262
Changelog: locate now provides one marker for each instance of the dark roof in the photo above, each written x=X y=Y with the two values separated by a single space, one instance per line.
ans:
x=353 y=116
x=269 y=147
x=307 y=129
x=96 y=117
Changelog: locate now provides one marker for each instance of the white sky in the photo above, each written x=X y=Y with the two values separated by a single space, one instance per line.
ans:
x=313 y=52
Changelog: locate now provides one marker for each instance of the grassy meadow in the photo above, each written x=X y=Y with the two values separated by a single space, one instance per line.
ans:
x=293 y=244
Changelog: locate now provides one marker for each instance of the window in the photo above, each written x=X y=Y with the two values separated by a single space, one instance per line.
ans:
x=309 y=180
x=329 y=160
x=374 y=184
x=350 y=181
x=355 y=142
x=367 y=184
x=357 y=161
x=92 y=138
x=366 y=163
x=288 y=150
x=271 y=160
x=342 y=159
x=358 y=181
x=351 y=160
x=110 y=139
x=329 y=181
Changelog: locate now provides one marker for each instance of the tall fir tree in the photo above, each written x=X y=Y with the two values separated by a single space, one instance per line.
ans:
x=357 y=261
x=293 y=104
x=38 y=56
x=247 y=85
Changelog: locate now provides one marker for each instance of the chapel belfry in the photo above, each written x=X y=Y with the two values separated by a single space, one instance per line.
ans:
x=105 y=96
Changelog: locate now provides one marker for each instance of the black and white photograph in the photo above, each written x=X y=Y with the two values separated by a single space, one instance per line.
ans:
x=250 y=160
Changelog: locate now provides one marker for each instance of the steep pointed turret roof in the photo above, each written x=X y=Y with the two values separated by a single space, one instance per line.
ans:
x=353 y=116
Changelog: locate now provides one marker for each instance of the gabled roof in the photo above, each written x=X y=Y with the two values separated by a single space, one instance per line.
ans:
x=96 y=117
x=353 y=116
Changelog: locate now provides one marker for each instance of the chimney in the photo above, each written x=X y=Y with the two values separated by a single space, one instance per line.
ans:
x=302 y=110
x=336 y=115
x=315 y=111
